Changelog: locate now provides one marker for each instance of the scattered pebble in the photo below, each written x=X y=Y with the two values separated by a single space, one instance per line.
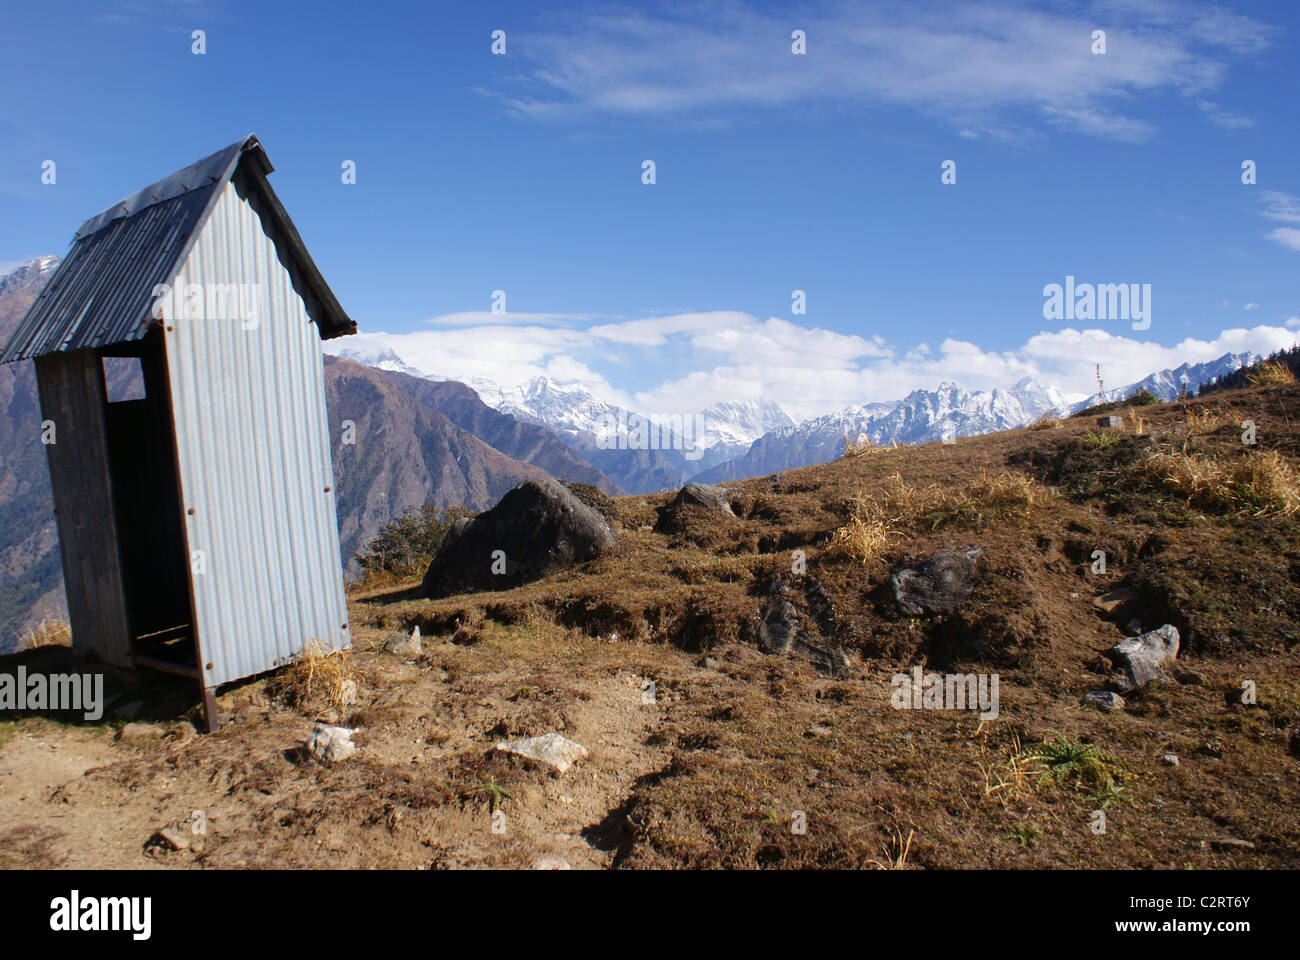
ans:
x=1104 y=699
x=171 y=838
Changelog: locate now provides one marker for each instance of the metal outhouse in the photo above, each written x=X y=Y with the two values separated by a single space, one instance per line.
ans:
x=196 y=520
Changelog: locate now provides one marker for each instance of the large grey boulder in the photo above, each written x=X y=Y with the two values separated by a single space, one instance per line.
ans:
x=1143 y=658
x=938 y=585
x=537 y=528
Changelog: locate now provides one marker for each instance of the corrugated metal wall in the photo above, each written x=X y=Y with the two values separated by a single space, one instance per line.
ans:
x=253 y=448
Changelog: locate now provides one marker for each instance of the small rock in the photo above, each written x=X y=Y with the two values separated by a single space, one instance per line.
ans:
x=331 y=744
x=551 y=863
x=1105 y=699
x=1114 y=423
x=819 y=730
x=1143 y=658
x=1170 y=759
x=777 y=628
x=140 y=730
x=709 y=663
x=171 y=838
x=1115 y=603
x=348 y=692
x=404 y=645
x=555 y=751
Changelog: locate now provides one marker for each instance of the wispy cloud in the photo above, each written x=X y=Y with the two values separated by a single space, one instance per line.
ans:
x=702 y=358
x=1285 y=208
x=989 y=69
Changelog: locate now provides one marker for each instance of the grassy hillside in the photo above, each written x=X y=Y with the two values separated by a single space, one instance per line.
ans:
x=735 y=747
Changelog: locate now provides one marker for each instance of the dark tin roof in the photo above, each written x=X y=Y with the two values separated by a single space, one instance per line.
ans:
x=102 y=292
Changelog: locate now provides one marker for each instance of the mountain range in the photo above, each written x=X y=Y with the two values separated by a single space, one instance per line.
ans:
x=401 y=438
x=752 y=438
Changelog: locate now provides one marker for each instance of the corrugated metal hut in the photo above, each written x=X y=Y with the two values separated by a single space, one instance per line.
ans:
x=197 y=523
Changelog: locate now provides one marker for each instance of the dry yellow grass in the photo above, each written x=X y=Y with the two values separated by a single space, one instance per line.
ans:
x=860 y=447
x=875 y=518
x=1203 y=420
x=50 y=632
x=896 y=853
x=320 y=673
x=1013 y=777
x=1006 y=491
x=1048 y=422
x=1261 y=482
x=862 y=539
x=1275 y=371
x=1136 y=422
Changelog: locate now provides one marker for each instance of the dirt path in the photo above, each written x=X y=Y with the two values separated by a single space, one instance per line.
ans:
x=420 y=792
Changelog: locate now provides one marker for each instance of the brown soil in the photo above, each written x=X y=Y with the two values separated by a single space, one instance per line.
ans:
x=740 y=746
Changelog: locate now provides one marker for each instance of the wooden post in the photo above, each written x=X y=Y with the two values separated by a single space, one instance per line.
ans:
x=211 y=715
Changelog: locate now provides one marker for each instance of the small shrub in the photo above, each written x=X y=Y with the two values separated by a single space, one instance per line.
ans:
x=403 y=547
x=1100 y=439
x=1083 y=766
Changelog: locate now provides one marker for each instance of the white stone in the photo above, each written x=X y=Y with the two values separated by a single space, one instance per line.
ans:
x=331 y=744
x=555 y=751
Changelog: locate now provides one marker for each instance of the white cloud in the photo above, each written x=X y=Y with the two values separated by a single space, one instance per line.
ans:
x=1286 y=236
x=695 y=359
x=967 y=64
x=1223 y=118
x=1251 y=306
x=1280 y=206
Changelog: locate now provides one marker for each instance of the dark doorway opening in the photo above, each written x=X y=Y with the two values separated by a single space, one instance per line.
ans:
x=147 y=506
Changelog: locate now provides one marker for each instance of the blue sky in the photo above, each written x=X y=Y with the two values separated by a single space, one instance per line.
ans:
x=774 y=172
